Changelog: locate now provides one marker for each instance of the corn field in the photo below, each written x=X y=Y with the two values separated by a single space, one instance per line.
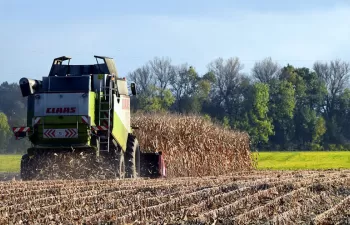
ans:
x=256 y=197
x=193 y=146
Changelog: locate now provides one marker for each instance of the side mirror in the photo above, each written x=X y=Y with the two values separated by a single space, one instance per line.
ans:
x=133 y=88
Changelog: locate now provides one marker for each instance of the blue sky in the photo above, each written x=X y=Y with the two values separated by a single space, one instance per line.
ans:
x=198 y=31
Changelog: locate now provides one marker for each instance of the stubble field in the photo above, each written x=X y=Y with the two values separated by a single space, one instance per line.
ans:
x=196 y=191
x=255 y=197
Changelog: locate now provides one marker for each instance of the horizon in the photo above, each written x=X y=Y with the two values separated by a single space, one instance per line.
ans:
x=296 y=33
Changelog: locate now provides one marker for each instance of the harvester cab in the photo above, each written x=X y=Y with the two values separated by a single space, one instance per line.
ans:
x=78 y=122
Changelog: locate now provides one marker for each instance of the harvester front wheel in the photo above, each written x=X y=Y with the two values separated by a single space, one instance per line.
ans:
x=132 y=157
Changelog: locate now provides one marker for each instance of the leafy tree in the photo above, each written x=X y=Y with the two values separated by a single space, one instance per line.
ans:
x=13 y=104
x=200 y=93
x=260 y=126
x=341 y=117
x=5 y=132
x=309 y=95
x=319 y=131
x=281 y=110
x=210 y=77
x=226 y=122
x=154 y=102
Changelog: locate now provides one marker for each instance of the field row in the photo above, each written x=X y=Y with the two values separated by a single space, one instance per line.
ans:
x=242 y=198
x=266 y=160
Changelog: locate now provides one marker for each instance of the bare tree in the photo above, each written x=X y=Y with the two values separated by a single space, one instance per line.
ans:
x=265 y=70
x=163 y=72
x=143 y=79
x=184 y=82
x=228 y=79
x=179 y=80
x=335 y=75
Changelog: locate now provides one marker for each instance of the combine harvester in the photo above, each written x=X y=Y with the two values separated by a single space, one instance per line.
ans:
x=78 y=122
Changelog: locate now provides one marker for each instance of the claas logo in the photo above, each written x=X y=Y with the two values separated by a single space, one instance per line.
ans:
x=61 y=110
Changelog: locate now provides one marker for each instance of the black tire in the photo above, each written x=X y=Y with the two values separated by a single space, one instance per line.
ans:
x=138 y=162
x=25 y=168
x=132 y=157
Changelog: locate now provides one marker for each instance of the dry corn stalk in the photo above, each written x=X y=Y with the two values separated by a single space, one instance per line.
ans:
x=193 y=146
x=248 y=197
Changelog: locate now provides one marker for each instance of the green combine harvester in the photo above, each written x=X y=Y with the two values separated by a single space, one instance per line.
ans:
x=78 y=122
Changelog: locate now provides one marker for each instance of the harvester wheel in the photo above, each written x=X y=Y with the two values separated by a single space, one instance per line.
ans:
x=25 y=167
x=121 y=165
x=132 y=157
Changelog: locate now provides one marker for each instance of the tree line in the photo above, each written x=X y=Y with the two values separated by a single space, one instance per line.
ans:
x=281 y=107
x=13 y=113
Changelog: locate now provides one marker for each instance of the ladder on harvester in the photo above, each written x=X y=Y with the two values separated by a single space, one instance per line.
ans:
x=105 y=107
